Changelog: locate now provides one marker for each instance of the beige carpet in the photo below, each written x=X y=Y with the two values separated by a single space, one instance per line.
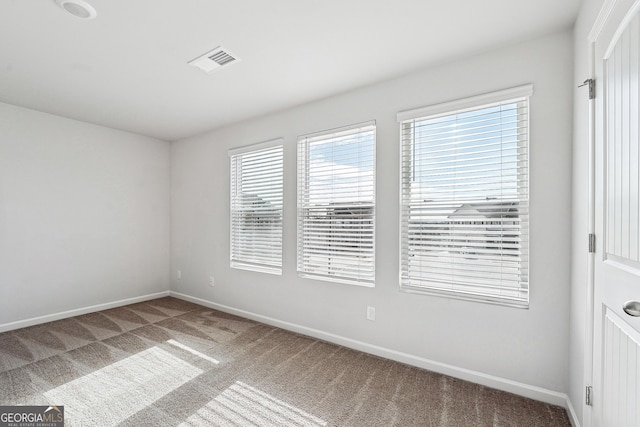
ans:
x=168 y=362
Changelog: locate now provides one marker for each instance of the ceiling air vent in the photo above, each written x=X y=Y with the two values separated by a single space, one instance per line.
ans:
x=214 y=59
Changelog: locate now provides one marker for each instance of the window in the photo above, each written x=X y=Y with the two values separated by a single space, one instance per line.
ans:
x=256 y=207
x=465 y=203
x=336 y=205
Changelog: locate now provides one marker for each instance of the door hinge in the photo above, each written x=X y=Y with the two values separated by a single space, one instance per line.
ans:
x=592 y=243
x=592 y=87
x=589 y=396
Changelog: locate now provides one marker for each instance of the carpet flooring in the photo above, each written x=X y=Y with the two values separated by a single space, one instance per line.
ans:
x=168 y=362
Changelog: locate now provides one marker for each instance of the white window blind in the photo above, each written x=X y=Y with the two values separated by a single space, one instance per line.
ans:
x=256 y=207
x=336 y=205
x=465 y=198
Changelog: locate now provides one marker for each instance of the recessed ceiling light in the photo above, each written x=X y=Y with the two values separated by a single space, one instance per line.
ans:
x=78 y=8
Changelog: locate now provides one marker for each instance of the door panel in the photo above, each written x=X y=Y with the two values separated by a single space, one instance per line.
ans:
x=621 y=106
x=621 y=369
x=617 y=261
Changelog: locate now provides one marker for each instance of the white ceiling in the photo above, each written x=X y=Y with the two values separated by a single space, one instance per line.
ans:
x=127 y=68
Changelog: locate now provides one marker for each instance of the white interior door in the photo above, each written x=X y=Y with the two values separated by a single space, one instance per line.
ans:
x=616 y=387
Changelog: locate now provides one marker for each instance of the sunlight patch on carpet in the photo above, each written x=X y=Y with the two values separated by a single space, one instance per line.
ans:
x=241 y=404
x=110 y=395
x=193 y=351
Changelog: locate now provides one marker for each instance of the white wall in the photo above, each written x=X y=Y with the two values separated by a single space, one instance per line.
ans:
x=580 y=207
x=84 y=214
x=528 y=346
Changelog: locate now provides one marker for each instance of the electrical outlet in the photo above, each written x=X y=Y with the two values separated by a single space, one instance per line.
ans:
x=371 y=313
x=178 y=274
x=212 y=281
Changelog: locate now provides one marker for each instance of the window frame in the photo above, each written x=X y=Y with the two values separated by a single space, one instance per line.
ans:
x=475 y=103
x=366 y=279
x=237 y=260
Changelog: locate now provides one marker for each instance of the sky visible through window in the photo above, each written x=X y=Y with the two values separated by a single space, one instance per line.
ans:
x=469 y=156
x=342 y=169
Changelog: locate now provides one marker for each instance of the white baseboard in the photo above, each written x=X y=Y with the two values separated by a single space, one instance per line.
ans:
x=77 y=312
x=521 y=389
x=573 y=417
